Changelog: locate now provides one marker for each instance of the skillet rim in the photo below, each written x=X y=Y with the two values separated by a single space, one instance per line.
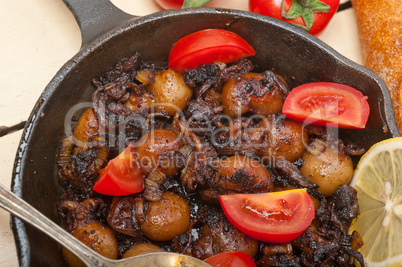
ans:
x=18 y=226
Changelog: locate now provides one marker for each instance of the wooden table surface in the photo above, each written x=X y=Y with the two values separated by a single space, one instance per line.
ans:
x=38 y=36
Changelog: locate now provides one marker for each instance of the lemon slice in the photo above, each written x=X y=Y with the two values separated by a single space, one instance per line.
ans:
x=378 y=181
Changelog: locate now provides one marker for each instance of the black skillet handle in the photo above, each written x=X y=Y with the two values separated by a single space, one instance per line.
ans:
x=96 y=17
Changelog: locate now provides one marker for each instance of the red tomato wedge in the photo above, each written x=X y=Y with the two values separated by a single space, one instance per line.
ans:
x=231 y=259
x=122 y=175
x=206 y=47
x=329 y=104
x=277 y=217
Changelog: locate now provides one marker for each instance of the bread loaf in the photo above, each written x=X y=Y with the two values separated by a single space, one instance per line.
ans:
x=379 y=25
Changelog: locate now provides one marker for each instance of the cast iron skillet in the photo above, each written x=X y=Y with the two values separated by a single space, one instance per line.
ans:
x=110 y=34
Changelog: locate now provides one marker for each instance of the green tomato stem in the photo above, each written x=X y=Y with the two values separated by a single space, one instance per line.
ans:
x=194 y=3
x=304 y=3
x=304 y=9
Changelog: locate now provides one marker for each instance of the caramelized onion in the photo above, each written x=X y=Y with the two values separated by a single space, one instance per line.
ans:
x=121 y=217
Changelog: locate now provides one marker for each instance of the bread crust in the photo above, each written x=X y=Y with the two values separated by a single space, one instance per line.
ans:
x=379 y=25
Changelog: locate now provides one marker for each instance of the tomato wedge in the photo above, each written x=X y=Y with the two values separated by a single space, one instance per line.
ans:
x=329 y=104
x=122 y=175
x=206 y=47
x=231 y=259
x=277 y=217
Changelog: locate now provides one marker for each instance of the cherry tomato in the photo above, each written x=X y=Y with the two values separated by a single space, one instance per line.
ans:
x=231 y=259
x=178 y=4
x=316 y=13
x=170 y=4
x=277 y=217
x=122 y=175
x=329 y=104
x=206 y=47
